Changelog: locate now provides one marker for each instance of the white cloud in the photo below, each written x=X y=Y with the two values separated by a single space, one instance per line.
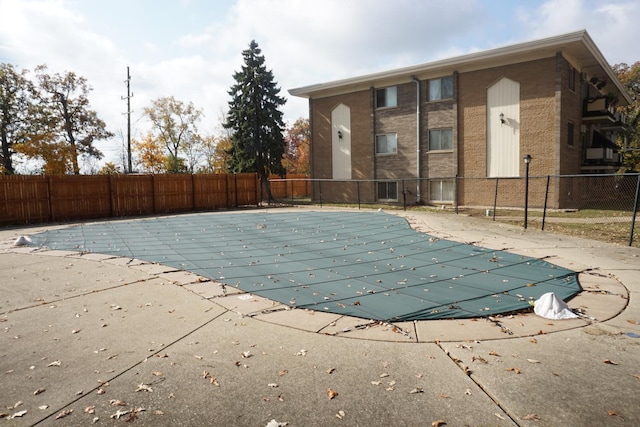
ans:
x=190 y=49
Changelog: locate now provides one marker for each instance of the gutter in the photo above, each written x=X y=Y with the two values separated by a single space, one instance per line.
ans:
x=417 y=82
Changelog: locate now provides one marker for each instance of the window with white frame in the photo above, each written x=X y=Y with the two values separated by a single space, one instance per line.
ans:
x=387 y=143
x=441 y=88
x=387 y=190
x=441 y=190
x=440 y=139
x=387 y=97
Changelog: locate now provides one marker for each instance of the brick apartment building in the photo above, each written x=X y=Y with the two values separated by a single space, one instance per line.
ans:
x=407 y=133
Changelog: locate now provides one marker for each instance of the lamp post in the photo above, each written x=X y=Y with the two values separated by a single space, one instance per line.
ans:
x=527 y=160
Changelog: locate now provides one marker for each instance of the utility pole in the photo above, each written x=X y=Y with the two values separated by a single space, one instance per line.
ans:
x=128 y=113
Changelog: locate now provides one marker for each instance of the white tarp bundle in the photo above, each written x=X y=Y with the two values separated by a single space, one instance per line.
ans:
x=22 y=241
x=550 y=306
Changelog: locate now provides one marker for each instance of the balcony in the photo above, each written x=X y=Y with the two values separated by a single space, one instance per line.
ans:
x=601 y=110
x=602 y=151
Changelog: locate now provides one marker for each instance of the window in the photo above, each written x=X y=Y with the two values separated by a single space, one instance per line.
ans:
x=387 y=97
x=387 y=144
x=441 y=190
x=441 y=88
x=570 y=134
x=572 y=79
x=388 y=190
x=441 y=139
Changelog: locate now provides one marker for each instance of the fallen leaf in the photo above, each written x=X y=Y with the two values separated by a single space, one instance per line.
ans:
x=55 y=363
x=533 y=341
x=118 y=414
x=635 y=375
x=445 y=396
x=417 y=390
x=479 y=359
x=516 y=370
x=117 y=402
x=246 y=354
x=301 y=353
x=282 y=372
x=156 y=373
x=531 y=417
x=612 y=413
x=533 y=361
x=144 y=387
x=499 y=416
x=330 y=370
x=272 y=385
x=39 y=391
x=633 y=322
x=17 y=414
x=609 y=362
x=340 y=415
x=438 y=423
x=90 y=410
x=197 y=357
x=64 y=414
x=376 y=382
x=43 y=407
x=494 y=353
x=384 y=375
x=331 y=393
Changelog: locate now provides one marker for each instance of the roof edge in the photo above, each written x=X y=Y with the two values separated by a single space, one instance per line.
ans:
x=558 y=40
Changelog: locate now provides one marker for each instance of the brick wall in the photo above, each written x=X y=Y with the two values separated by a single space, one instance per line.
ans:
x=546 y=106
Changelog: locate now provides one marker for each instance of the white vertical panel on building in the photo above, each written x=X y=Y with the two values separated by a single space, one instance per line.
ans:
x=341 y=146
x=503 y=139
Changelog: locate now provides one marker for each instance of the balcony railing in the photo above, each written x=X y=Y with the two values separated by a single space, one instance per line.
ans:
x=602 y=110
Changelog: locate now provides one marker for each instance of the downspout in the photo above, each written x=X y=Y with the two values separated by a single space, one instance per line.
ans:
x=417 y=82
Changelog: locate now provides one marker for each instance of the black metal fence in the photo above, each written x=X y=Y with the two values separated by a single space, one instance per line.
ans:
x=599 y=205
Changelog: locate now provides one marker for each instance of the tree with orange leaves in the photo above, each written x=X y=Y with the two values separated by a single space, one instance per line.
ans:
x=297 y=138
x=150 y=153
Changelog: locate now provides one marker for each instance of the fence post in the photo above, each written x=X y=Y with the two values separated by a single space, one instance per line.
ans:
x=235 y=187
x=455 y=192
x=291 y=190
x=495 y=200
x=527 y=160
x=50 y=197
x=358 y=190
x=320 y=190
x=404 y=197
x=111 y=196
x=193 y=191
x=635 y=210
x=546 y=197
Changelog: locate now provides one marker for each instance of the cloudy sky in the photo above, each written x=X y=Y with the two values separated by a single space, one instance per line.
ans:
x=190 y=49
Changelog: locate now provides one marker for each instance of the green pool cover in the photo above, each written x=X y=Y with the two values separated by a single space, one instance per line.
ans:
x=371 y=265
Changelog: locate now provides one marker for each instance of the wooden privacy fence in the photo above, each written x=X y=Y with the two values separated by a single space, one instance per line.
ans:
x=34 y=199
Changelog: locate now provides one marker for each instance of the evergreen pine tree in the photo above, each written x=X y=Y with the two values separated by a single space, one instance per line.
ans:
x=257 y=141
